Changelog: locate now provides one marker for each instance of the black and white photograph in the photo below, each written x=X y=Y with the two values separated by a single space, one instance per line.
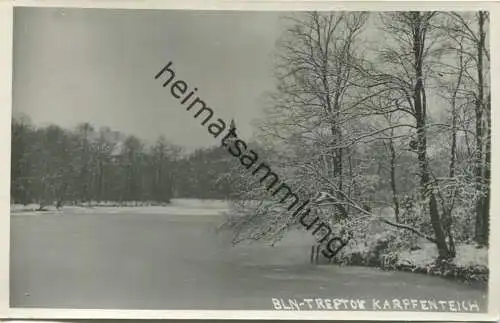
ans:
x=292 y=162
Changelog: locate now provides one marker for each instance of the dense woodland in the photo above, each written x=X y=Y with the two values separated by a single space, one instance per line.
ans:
x=390 y=110
x=52 y=165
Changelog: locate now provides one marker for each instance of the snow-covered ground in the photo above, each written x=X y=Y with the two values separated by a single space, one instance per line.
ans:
x=177 y=207
x=467 y=255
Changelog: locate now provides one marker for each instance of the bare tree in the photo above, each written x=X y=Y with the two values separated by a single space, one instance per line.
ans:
x=414 y=47
x=345 y=117
x=317 y=77
x=85 y=132
x=471 y=32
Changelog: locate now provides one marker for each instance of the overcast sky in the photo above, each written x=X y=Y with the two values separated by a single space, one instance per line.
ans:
x=97 y=65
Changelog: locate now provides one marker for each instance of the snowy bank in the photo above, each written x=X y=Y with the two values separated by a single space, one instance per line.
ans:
x=176 y=207
x=470 y=263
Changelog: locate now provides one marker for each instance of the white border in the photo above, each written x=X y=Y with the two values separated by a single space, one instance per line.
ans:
x=6 y=29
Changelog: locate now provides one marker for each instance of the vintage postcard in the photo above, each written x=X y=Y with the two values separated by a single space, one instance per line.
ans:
x=249 y=161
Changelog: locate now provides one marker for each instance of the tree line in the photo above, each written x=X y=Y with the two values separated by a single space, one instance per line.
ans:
x=85 y=165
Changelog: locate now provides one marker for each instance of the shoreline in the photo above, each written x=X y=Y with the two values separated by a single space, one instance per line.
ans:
x=449 y=271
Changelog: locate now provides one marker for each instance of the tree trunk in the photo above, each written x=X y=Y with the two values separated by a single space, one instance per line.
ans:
x=333 y=109
x=395 y=199
x=487 y=175
x=338 y=174
x=100 y=180
x=420 y=103
x=448 y=209
x=479 y=163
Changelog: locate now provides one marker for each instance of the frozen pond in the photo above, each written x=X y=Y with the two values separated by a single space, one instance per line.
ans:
x=126 y=260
